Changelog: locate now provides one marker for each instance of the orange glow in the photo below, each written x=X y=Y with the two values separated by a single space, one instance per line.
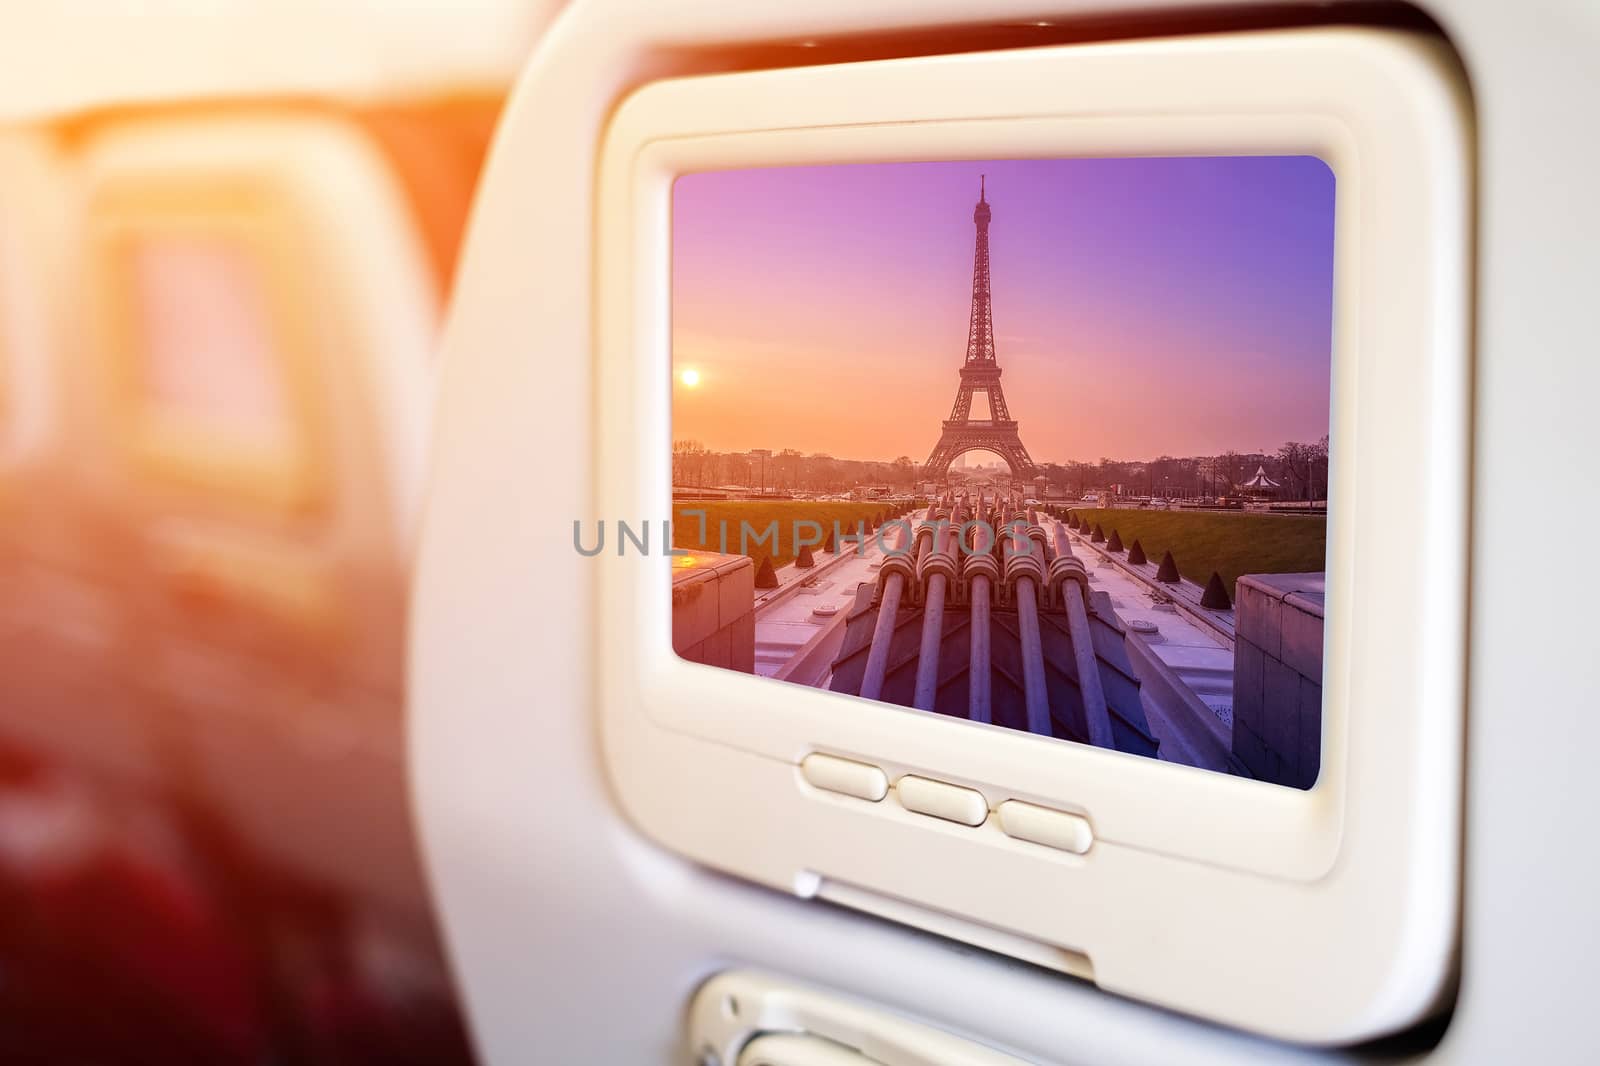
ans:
x=1142 y=307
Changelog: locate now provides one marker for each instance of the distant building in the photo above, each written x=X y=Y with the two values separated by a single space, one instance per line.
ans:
x=713 y=610
x=1261 y=484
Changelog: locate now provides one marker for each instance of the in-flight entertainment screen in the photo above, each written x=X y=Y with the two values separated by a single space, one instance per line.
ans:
x=1037 y=443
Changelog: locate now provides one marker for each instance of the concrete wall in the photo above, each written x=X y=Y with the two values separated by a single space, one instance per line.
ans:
x=713 y=610
x=1277 y=677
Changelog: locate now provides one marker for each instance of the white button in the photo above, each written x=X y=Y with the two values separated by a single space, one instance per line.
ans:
x=950 y=802
x=1041 y=825
x=833 y=774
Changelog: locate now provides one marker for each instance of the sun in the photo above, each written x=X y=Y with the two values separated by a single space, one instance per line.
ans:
x=690 y=378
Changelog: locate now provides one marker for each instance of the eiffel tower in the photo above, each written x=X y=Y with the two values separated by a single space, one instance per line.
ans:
x=963 y=433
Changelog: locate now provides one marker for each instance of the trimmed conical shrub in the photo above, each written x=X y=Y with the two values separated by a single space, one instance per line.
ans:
x=805 y=560
x=1169 y=570
x=830 y=546
x=1136 y=554
x=1115 y=543
x=766 y=577
x=1072 y=520
x=1216 y=594
x=1098 y=536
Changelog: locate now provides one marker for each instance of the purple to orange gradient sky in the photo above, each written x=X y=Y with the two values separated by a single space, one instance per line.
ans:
x=1142 y=307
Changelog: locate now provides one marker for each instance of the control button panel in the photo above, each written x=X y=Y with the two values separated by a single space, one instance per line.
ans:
x=846 y=776
x=1042 y=825
x=942 y=800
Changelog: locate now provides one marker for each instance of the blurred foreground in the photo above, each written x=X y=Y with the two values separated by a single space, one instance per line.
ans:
x=217 y=317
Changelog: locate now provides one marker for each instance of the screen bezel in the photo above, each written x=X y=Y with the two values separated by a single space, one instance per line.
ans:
x=1003 y=764
x=1356 y=877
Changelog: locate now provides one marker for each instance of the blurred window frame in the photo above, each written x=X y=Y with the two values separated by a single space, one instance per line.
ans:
x=135 y=212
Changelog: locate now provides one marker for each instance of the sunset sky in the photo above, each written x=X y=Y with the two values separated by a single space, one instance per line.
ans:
x=1141 y=306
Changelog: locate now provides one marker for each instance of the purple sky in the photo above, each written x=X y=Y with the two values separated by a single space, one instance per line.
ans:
x=1142 y=306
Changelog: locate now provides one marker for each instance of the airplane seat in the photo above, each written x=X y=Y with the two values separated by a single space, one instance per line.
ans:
x=250 y=403
x=33 y=183
x=57 y=613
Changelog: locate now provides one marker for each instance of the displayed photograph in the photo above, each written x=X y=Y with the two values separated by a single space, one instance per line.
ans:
x=1041 y=444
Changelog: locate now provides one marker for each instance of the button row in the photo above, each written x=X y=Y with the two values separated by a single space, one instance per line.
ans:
x=940 y=800
x=1042 y=825
x=953 y=803
x=833 y=774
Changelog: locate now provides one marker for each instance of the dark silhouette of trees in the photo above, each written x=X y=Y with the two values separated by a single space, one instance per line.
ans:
x=1301 y=469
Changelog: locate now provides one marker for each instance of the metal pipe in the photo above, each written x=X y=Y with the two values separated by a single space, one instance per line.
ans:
x=1025 y=575
x=1096 y=716
x=1035 y=693
x=979 y=701
x=940 y=565
x=1063 y=546
x=932 y=635
x=893 y=578
x=882 y=635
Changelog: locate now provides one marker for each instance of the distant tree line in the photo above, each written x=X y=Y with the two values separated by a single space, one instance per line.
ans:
x=1300 y=469
x=695 y=466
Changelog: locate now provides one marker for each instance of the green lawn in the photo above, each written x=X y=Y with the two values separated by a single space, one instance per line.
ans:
x=755 y=517
x=1230 y=544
